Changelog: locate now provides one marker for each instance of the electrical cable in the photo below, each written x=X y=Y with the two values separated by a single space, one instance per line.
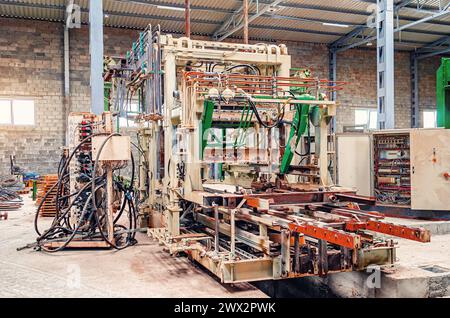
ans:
x=61 y=229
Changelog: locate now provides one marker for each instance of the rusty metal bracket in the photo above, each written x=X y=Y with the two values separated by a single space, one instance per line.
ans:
x=330 y=235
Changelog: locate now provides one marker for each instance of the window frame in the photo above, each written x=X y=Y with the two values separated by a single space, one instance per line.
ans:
x=423 y=118
x=11 y=109
x=368 y=111
x=10 y=112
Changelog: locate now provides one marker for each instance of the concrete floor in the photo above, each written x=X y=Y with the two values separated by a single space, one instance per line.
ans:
x=144 y=270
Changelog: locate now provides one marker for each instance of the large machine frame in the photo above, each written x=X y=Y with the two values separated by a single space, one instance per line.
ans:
x=246 y=212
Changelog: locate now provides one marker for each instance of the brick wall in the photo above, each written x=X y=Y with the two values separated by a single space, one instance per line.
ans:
x=427 y=87
x=31 y=65
x=359 y=68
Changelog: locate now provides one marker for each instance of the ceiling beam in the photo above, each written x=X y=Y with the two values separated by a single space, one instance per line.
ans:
x=403 y=4
x=440 y=46
x=337 y=45
x=176 y=19
x=226 y=11
x=290 y=5
x=407 y=4
x=235 y=22
x=211 y=22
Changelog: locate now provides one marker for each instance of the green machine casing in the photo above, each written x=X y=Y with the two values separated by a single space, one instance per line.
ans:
x=443 y=94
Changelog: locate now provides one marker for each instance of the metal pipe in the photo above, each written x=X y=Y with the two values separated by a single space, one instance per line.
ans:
x=233 y=232
x=245 y=12
x=216 y=228
x=66 y=80
x=187 y=17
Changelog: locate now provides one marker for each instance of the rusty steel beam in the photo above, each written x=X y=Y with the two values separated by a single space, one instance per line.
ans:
x=406 y=232
x=297 y=197
x=259 y=203
x=357 y=198
x=410 y=233
x=337 y=237
x=355 y=213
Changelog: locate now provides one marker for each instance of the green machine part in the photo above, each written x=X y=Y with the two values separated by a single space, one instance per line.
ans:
x=107 y=92
x=207 y=123
x=207 y=120
x=443 y=94
x=298 y=128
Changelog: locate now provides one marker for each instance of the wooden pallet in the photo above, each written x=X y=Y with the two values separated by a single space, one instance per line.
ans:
x=44 y=184
x=24 y=191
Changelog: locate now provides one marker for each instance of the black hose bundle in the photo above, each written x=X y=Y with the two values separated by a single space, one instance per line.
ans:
x=279 y=118
x=91 y=221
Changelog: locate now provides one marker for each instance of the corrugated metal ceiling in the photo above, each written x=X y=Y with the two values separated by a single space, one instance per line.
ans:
x=294 y=20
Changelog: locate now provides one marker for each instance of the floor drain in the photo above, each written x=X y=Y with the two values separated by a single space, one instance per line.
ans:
x=435 y=269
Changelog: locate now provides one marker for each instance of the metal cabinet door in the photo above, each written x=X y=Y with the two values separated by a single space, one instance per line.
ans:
x=430 y=166
x=354 y=162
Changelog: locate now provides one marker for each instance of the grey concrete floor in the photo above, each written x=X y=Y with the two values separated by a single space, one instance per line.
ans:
x=437 y=252
x=144 y=270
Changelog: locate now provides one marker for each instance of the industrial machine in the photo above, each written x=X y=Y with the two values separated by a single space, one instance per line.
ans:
x=237 y=159
x=95 y=204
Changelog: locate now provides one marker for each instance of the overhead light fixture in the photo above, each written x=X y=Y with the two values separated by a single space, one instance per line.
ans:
x=369 y=44
x=106 y=16
x=336 y=25
x=170 y=8
x=273 y=9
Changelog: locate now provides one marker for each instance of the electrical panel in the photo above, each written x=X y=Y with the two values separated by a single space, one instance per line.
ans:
x=392 y=168
x=81 y=126
x=399 y=161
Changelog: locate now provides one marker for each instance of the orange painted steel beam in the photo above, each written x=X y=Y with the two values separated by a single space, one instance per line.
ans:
x=258 y=202
x=410 y=233
x=330 y=235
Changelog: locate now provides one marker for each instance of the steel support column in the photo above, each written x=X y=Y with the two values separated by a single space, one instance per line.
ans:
x=332 y=77
x=332 y=70
x=414 y=91
x=385 y=64
x=67 y=107
x=96 y=52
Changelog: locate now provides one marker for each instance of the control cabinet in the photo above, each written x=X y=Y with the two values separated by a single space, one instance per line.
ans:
x=404 y=167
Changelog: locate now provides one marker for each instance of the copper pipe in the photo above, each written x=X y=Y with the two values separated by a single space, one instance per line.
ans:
x=187 y=17
x=245 y=12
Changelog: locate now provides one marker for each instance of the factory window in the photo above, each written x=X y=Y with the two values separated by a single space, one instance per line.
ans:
x=429 y=119
x=366 y=117
x=16 y=112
